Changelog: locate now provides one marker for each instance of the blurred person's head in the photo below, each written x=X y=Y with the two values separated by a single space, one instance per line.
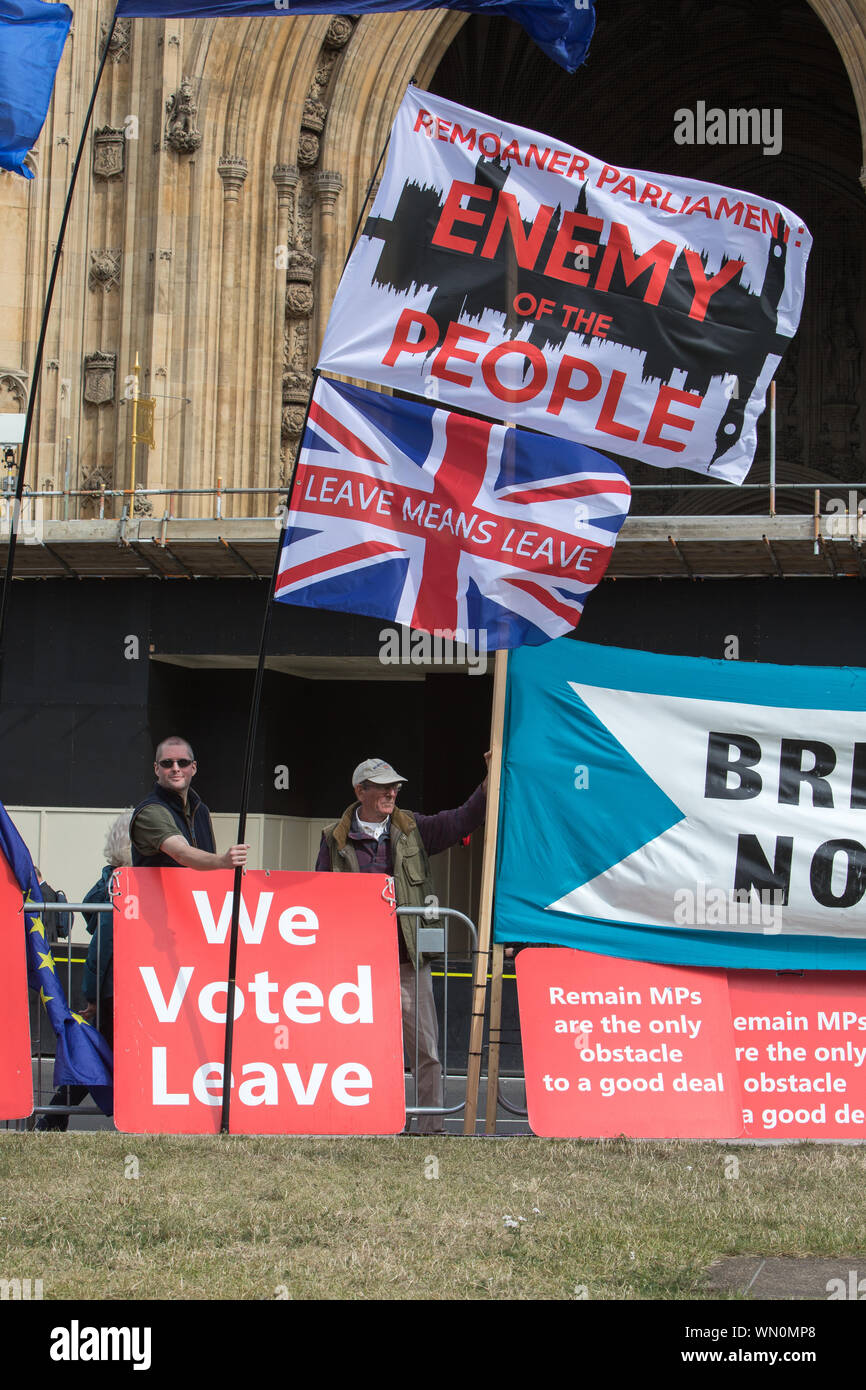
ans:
x=118 y=850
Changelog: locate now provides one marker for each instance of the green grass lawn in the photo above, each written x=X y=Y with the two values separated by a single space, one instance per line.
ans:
x=415 y=1218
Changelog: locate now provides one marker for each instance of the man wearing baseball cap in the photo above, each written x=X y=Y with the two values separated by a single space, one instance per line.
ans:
x=372 y=836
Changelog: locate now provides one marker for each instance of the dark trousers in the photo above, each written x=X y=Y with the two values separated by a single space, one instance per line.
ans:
x=74 y=1095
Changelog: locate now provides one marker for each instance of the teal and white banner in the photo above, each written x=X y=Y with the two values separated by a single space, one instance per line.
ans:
x=684 y=810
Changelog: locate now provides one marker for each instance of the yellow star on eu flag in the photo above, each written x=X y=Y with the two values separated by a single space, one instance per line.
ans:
x=46 y=960
x=46 y=998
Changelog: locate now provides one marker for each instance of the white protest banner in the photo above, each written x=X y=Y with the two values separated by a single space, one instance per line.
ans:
x=683 y=810
x=518 y=278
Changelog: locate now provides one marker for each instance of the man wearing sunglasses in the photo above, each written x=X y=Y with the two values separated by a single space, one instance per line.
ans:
x=172 y=826
x=373 y=836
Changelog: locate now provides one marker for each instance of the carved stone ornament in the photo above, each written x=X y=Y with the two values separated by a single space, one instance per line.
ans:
x=286 y=176
x=181 y=131
x=299 y=301
x=315 y=114
x=13 y=394
x=100 y=369
x=308 y=149
x=109 y=152
x=301 y=266
x=105 y=268
x=99 y=477
x=327 y=185
x=339 y=32
x=293 y=421
x=232 y=169
x=118 y=49
x=141 y=506
x=296 y=388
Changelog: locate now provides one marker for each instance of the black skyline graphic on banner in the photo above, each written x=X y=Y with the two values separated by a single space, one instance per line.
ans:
x=734 y=339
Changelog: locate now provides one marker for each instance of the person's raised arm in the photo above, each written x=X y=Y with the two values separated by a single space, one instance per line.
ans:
x=185 y=854
x=447 y=828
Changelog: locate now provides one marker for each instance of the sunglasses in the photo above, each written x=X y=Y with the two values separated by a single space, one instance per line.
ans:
x=170 y=762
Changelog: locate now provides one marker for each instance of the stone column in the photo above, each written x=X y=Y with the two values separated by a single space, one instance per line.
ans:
x=328 y=186
x=232 y=170
x=286 y=178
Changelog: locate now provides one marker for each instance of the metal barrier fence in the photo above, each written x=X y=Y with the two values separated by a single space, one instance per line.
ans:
x=53 y=1109
x=42 y=1038
x=137 y=503
x=432 y=940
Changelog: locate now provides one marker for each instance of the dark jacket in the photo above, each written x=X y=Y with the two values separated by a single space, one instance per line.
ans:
x=98 y=975
x=199 y=833
x=56 y=924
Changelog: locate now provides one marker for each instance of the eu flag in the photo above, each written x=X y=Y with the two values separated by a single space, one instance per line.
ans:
x=32 y=35
x=83 y=1057
x=561 y=28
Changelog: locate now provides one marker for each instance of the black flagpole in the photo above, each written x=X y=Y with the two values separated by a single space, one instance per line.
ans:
x=254 y=719
x=40 y=352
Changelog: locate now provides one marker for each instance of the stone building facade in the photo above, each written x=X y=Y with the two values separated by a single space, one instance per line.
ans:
x=227 y=164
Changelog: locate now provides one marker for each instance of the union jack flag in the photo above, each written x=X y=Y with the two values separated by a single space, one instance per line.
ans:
x=446 y=523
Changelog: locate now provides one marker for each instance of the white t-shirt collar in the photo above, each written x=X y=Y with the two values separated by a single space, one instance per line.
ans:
x=374 y=828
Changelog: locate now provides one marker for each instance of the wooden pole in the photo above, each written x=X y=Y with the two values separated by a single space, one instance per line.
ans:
x=494 y=1039
x=485 y=916
x=772 y=448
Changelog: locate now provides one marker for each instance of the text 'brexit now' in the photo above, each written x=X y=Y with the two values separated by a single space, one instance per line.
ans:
x=798 y=775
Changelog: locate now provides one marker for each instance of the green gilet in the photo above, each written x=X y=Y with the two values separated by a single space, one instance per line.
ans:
x=413 y=879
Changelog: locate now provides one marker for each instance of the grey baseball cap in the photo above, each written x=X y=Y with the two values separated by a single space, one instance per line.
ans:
x=375 y=770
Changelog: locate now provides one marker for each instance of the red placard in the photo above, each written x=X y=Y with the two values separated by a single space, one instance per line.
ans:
x=318 y=1045
x=623 y=1047
x=616 y=1046
x=16 y=1073
x=800 y=1043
